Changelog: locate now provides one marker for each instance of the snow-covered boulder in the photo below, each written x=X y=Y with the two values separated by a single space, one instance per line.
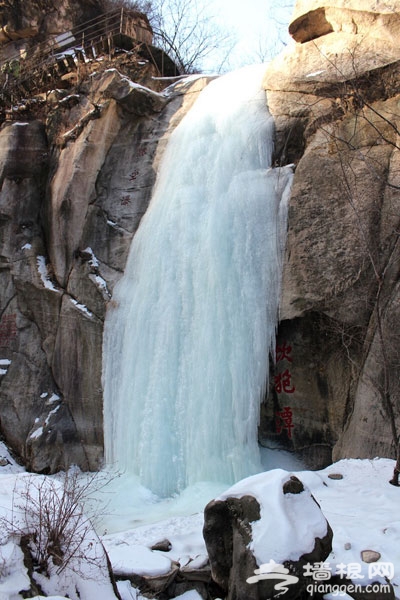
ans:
x=134 y=98
x=261 y=532
x=147 y=569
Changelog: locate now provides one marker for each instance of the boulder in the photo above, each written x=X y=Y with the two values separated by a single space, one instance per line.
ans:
x=151 y=571
x=315 y=18
x=261 y=532
x=134 y=98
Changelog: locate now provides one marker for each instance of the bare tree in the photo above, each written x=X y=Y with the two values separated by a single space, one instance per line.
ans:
x=55 y=517
x=187 y=31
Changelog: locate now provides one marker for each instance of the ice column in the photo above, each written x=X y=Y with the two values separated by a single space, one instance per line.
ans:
x=186 y=346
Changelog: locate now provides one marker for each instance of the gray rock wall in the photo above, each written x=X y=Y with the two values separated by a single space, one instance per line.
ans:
x=72 y=195
x=335 y=100
x=76 y=182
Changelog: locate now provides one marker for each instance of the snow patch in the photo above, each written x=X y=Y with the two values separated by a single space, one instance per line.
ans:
x=66 y=99
x=315 y=73
x=44 y=274
x=93 y=262
x=26 y=247
x=139 y=560
x=184 y=533
x=53 y=398
x=144 y=89
x=4 y=362
x=100 y=283
x=51 y=413
x=37 y=433
x=14 y=575
x=84 y=309
x=65 y=53
x=40 y=430
x=8 y=466
x=127 y=592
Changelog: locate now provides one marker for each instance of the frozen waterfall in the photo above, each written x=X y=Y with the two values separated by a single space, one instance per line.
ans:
x=186 y=348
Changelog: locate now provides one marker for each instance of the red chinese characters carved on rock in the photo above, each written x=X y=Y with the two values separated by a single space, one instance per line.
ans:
x=142 y=151
x=283 y=352
x=284 y=420
x=125 y=200
x=8 y=329
x=283 y=383
x=134 y=175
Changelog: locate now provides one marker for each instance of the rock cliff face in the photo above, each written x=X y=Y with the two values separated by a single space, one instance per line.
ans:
x=73 y=191
x=336 y=102
x=76 y=177
x=40 y=19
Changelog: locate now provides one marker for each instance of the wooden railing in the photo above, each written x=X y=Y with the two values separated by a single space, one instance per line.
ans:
x=61 y=54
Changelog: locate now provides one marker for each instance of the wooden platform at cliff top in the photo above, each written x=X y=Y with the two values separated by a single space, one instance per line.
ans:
x=58 y=59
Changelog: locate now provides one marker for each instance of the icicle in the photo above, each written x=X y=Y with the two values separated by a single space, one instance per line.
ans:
x=186 y=350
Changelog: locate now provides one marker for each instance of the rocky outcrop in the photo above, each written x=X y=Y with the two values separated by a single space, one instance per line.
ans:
x=315 y=18
x=69 y=206
x=40 y=19
x=335 y=99
x=253 y=538
x=71 y=200
x=44 y=45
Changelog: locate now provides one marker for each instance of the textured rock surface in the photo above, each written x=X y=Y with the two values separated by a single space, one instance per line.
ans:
x=336 y=101
x=315 y=18
x=229 y=533
x=69 y=206
x=42 y=18
x=76 y=178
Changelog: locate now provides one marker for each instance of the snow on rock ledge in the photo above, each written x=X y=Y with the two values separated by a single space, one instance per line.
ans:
x=269 y=516
x=133 y=97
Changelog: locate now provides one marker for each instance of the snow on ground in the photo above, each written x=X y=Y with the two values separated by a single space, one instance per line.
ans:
x=38 y=506
x=361 y=507
x=7 y=464
x=184 y=534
